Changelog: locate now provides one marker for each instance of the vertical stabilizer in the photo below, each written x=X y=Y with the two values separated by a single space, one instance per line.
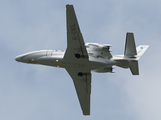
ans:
x=131 y=54
x=134 y=67
x=130 y=48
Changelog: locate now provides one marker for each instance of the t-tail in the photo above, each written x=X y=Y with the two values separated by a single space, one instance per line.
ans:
x=133 y=54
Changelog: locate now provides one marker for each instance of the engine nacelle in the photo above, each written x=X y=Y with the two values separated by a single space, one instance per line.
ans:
x=99 y=50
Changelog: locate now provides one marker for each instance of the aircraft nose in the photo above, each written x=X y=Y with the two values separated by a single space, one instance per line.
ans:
x=17 y=58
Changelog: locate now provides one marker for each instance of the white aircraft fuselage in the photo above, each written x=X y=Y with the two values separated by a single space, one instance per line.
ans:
x=55 y=59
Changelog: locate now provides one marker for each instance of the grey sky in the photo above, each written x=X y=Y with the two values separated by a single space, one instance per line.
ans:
x=40 y=92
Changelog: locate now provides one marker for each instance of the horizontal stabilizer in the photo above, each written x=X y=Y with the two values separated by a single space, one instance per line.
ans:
x=134 y=67
x=130 y=48
x=140 y=50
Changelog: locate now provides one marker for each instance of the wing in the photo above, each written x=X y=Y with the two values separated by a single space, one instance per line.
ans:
x=82 y=84
x=75 y=56
x=75 y=43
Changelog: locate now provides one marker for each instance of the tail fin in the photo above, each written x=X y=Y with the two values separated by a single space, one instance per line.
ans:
x=134 y=53
x=134 y=67
x=130 y=48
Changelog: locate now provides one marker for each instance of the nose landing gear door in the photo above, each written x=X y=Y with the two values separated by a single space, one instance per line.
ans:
x=49 y=53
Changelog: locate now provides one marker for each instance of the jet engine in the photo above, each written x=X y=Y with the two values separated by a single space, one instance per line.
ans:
x=99 y=50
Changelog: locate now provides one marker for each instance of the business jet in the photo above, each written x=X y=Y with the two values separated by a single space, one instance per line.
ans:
x=81 y=59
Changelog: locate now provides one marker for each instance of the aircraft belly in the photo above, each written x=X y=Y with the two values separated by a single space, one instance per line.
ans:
x=51 y=61
x=91 y=64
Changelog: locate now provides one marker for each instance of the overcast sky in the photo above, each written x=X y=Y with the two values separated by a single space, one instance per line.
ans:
x=36 y=92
